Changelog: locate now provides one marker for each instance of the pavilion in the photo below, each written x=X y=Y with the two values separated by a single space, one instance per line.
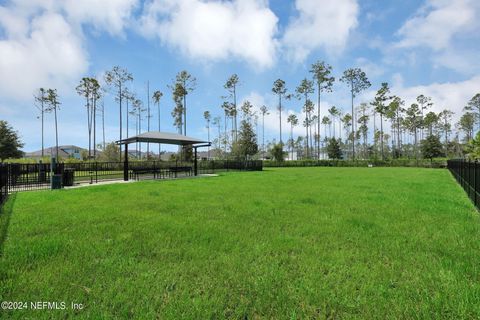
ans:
x=163 y=138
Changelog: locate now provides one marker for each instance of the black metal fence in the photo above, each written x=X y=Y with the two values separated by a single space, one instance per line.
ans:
x=3 y=183
x=31 y=176
x=22 y=176
x=467 y=173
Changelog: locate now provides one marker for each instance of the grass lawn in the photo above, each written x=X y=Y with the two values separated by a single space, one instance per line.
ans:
x=284 y=243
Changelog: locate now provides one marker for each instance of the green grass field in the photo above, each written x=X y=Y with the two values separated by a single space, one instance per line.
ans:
x=279 y=244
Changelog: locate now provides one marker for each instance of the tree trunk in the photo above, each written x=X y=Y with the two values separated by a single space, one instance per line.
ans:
x=374 y=131
x=319 y=119
x=42 y=128
x=353 y=127
x=280 y=113
x=159 y=145
x=340 y=128
x=263 y=135
x=225 y=137
x=148 y=116
x=219 y=136
x=235 y=109
x=399 y=132
x=185 y=108
x=310 y=132
x=365 y=152
x=333 y=125
x=127 y=116
x=325 y=132
x=56 y=132
x=415 y=143
x=89 y=125
x=392 y=136
x=306 y=129
x=381 y=135
x=120 y=104
x=291 y=140
x=103 y=124
x=139 y=131
x=94 y=128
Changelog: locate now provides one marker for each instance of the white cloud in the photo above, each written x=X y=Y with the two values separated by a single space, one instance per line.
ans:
x=6 y=111
x=449 y=29
x=463 y=61
x=43 y=41
x=46 y=53
x=105 y=15
x=449 y=95
x=326 y=25
x=435 y=24
x=373 y=70
x=214 y=30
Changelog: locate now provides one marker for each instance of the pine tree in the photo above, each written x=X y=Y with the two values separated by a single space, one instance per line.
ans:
x=116 y=78
x=333 y=149
x=358 y=82
x=321 y=74
x=10 y=143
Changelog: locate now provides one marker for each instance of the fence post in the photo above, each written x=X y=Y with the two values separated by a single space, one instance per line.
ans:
x=474 y=182
x=467 y=178
x=125 y=164
x=195 y=164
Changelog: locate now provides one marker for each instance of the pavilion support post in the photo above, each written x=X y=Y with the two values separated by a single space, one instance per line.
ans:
x=125 y=164
x=195 y=165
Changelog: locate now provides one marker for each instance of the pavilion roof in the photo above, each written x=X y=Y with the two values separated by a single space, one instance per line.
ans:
x=162 y=137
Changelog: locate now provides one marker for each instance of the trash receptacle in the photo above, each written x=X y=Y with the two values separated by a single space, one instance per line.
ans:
x=57 y=181
x=68 y=177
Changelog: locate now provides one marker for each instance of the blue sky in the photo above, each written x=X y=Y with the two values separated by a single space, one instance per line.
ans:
x=426 y=47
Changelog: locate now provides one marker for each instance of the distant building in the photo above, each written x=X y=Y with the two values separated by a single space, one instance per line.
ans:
x=292 y=156
x=69 y=151
x=75 y=152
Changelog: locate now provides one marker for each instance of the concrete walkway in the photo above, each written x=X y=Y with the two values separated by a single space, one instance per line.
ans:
x=101 y=183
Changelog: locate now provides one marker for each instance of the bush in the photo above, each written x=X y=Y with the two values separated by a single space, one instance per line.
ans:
x=425 y=163
x=277 y=152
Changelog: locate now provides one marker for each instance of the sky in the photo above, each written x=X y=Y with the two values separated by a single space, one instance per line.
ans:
x=428 y=47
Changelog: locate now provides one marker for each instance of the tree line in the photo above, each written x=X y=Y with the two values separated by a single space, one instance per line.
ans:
x=131 y=107
x=414 y=131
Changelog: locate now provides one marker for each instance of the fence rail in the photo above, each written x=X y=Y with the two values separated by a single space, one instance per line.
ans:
x=467 y=173
x=37 y=176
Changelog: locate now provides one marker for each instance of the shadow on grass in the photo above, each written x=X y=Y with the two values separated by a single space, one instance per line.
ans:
x=5 y=214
